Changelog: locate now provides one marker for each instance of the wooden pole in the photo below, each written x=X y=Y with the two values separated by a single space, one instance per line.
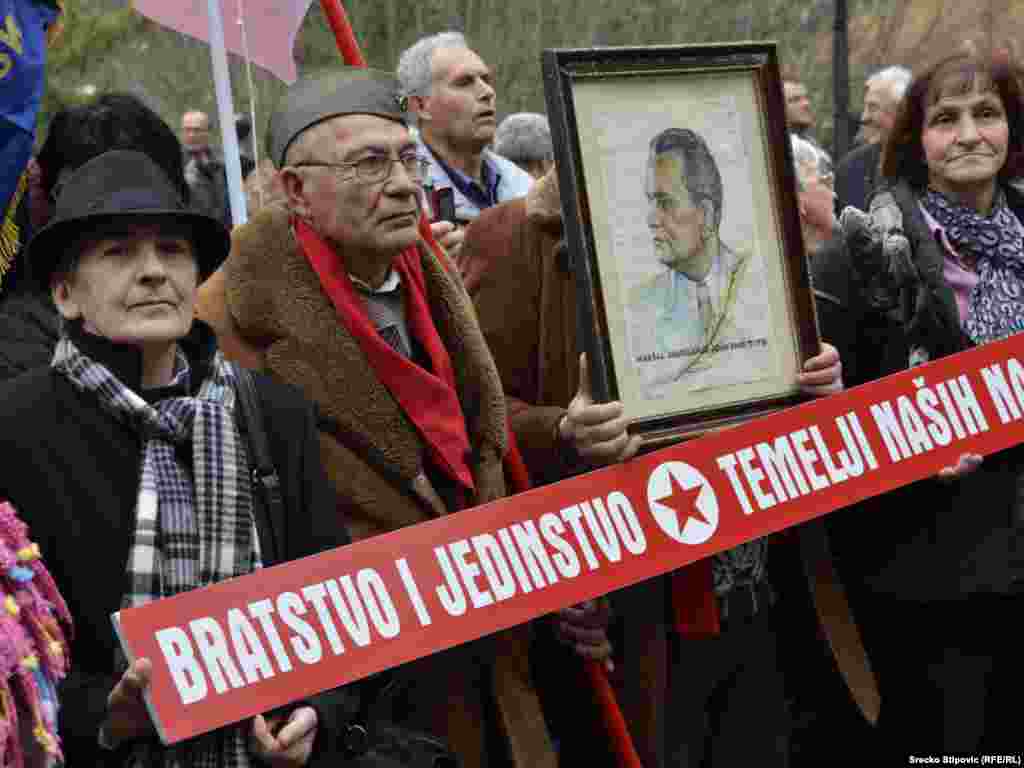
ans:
x=614 y=722
x=343 y=34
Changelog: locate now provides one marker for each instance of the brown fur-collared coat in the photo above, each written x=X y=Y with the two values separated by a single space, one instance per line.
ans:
x=270 y=312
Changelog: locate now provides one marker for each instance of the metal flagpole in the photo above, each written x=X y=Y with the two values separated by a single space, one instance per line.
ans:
x=252 y=98
x=226 y=112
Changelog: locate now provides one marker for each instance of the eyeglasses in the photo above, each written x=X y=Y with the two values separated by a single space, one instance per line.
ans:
x=376 y=168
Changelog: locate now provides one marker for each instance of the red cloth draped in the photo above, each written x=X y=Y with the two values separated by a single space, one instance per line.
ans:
x=694 y=606
x=428 y=398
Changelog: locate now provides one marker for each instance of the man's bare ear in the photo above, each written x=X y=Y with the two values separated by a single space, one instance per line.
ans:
x=295 y=189
x=420 y=106
x=708 y=225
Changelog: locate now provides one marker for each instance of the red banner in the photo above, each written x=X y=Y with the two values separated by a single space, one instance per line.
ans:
x=235 y=649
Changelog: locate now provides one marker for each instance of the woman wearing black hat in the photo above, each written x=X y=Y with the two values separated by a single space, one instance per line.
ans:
x=125 y=458
x=28 y=320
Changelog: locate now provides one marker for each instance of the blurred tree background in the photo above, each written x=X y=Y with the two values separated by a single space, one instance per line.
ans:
x=107 y=46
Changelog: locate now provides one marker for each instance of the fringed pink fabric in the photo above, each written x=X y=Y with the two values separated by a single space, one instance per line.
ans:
x=35 y=628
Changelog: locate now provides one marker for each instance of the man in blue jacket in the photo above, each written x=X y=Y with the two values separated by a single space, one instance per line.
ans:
x=450 y=90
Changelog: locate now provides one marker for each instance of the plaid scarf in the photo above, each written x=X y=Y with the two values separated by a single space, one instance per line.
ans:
x=189 y=531
x=995 y=246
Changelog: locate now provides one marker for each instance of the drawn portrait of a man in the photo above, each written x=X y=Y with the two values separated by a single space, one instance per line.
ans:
x=687 y=323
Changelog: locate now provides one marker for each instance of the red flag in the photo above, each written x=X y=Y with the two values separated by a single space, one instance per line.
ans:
x=270 y=27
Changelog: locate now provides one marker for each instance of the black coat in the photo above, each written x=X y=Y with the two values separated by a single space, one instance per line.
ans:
x=930 y=540
x=29 y=327
x=857 y=175
x=72 y=472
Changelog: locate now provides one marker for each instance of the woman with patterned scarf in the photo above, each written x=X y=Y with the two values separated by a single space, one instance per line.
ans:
x=125 y=458
x=935 y=567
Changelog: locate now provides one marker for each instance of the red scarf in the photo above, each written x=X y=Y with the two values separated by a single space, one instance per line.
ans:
x=516 y=474
x=428 y=398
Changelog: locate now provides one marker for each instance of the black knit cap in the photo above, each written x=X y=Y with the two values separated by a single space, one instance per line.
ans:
x=113 y=189
x=348 y=91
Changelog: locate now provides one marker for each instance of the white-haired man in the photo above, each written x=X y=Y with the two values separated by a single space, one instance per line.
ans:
x=882 y=94
x=450 y=91
x=525 y=139
x=856 y=174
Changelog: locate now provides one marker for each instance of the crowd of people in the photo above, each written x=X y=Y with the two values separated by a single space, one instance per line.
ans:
x=402 y=374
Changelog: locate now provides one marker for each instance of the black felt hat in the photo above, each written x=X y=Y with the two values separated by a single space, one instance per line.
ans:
x=349 y=91
x=106 y=192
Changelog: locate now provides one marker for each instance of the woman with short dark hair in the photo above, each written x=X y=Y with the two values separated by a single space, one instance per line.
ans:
x=906 y=157
x=935 y=567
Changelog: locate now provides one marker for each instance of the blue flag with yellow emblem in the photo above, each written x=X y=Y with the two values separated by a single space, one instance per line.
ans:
x=23 y=27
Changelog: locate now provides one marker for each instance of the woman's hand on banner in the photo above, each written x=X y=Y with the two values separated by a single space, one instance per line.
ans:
x=965 y=465
x=284 y=742
x=127 y=717
x=596 y=431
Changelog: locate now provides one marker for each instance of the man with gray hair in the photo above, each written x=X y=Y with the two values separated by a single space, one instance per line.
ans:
x=450 y=91
x=816 y=195
x=882 y=94
x=857 y=173
x=525 y=139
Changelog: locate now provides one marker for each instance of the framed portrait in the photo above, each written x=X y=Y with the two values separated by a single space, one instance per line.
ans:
x=681 y=219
